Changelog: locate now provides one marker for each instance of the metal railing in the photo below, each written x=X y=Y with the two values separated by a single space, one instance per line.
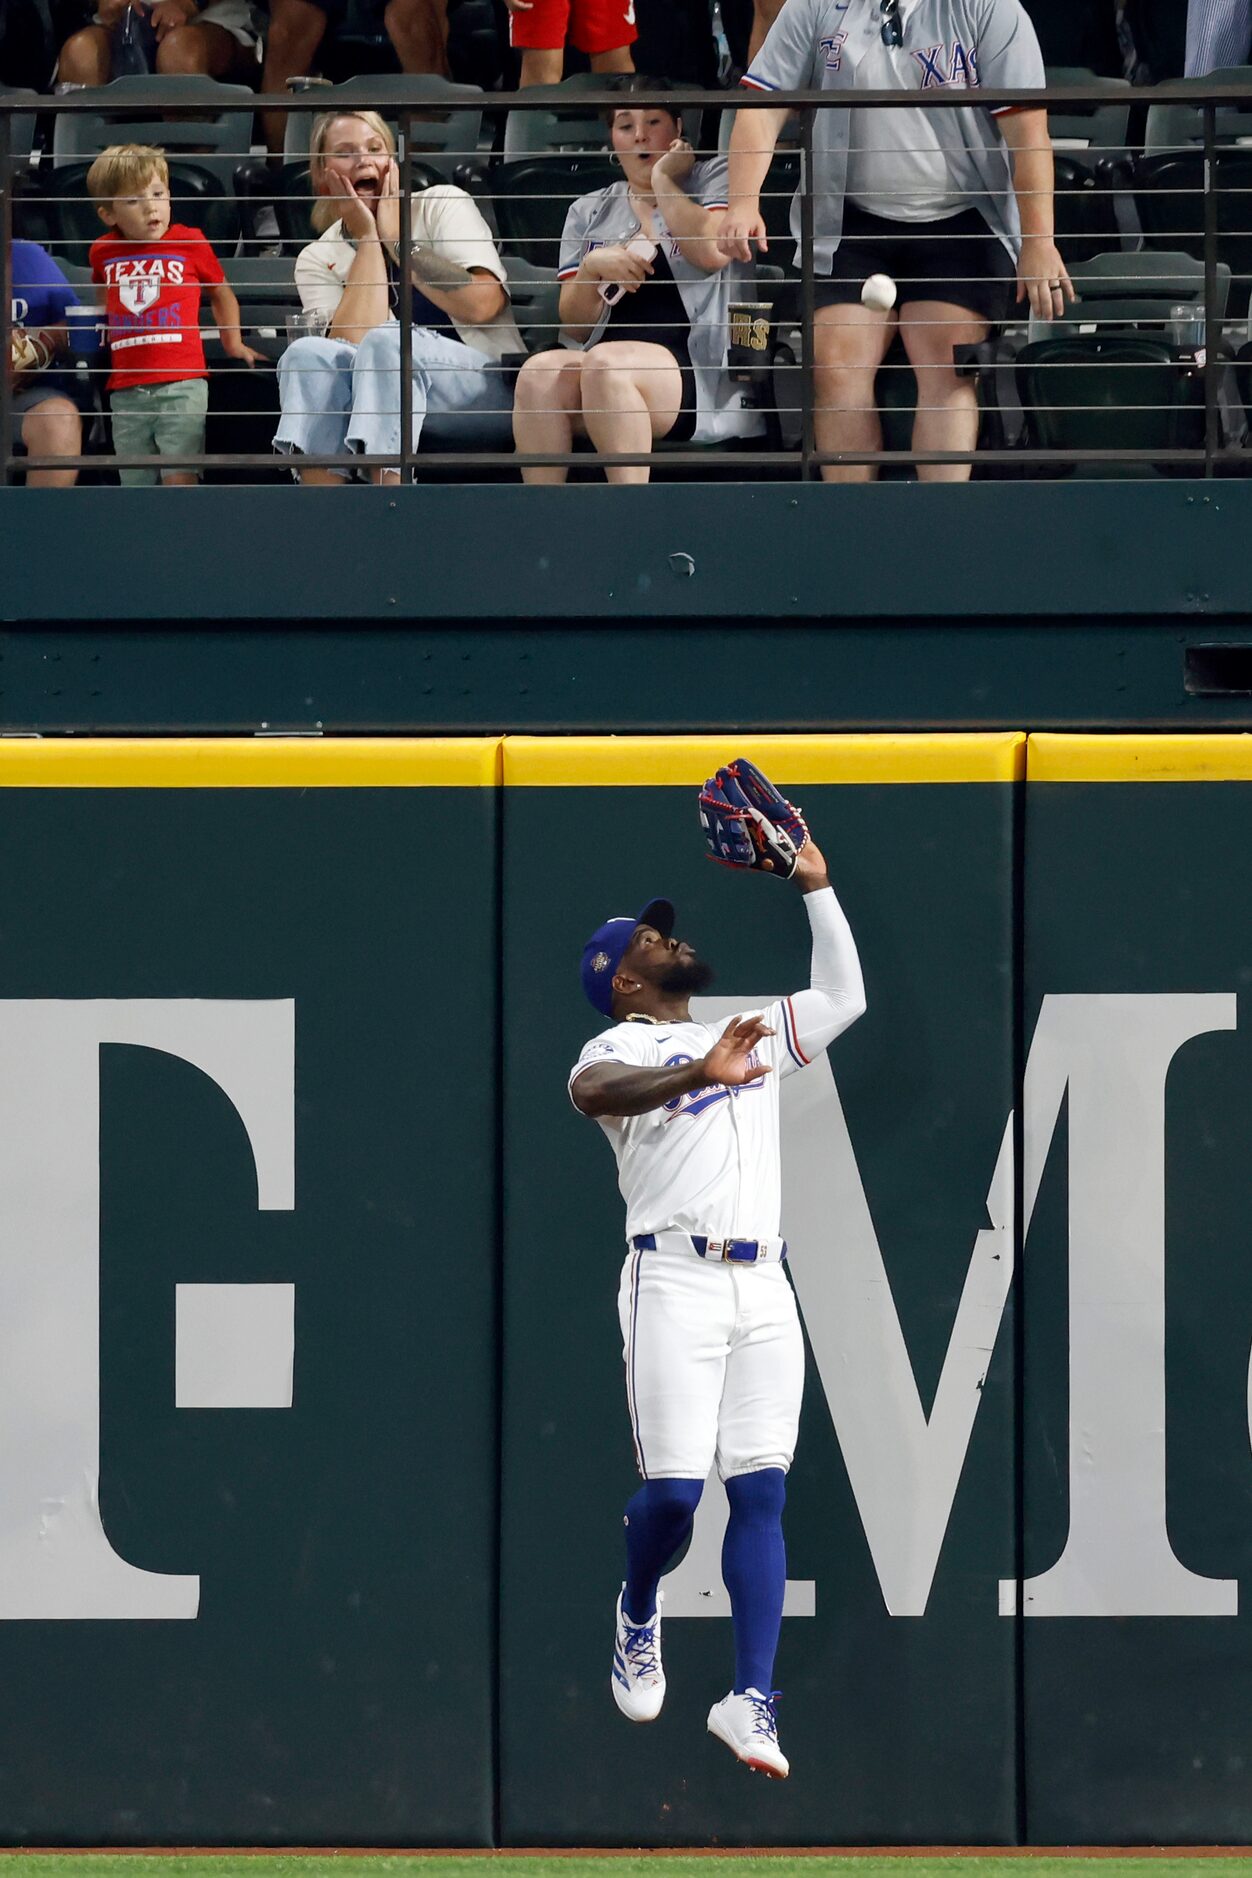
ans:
x=1201 y=374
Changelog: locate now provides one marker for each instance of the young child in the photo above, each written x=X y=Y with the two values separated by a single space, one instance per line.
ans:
x=153 y=273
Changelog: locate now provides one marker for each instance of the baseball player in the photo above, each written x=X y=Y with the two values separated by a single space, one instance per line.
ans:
x=712 y=1344
x=956 y=205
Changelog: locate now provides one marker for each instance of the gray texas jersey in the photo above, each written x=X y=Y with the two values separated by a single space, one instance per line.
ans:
x=819 y=45
x=594 y=221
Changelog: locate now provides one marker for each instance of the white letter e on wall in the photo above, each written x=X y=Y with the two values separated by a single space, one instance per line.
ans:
x=55 y=1557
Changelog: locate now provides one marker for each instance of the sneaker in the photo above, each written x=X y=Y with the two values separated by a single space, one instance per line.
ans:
x=638 y=1682
x=746 y=1724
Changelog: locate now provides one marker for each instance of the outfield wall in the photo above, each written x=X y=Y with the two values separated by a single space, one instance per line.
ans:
x=311 y=1266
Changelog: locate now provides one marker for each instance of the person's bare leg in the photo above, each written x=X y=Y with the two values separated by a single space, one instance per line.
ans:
x=947 y=406
x=764 y=13
x=849 y=345
x=205 y=49
x=632 y=394
x=418 y=29
x=547 y=411
x=541 y=67
x=297 y=29
x=318 y=478
x=617 y=60
x=53 y=428
x=86 y=58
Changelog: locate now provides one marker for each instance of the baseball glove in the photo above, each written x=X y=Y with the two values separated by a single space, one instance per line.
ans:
x=749 y=823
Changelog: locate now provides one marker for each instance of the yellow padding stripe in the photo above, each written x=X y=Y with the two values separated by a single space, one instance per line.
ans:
x=250 y=763
x=1055 y=757
x=568 y=762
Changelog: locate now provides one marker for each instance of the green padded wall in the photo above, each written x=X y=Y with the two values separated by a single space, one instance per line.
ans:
x=901 y=1728
x=333 y=1678
x=1137 y=1299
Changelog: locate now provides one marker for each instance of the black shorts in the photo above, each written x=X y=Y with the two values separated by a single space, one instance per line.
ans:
x=958 y=261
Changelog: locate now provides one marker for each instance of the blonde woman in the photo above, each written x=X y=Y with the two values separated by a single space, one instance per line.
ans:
x=342 y=391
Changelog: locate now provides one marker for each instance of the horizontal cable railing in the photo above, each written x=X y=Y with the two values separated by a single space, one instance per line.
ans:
x=776 y=366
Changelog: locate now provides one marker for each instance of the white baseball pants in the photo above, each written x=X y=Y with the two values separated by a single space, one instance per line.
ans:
x=714 y=1364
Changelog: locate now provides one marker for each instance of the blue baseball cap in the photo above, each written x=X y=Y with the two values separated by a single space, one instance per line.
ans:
x=605 y=949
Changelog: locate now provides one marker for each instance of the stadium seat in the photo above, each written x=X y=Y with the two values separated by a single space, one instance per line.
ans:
x=569 y=124
x=288 y=190
x=22 y=125
x=1181 y=126
x=1167 y=182
x=1084 y=139
x=1110 y=375
x=530 y=199
x=1169 y=190
x=1093 y=127
x=445 y=135
x=52 y=206
x=216 y=139
x=535 y=293
x=566 y=124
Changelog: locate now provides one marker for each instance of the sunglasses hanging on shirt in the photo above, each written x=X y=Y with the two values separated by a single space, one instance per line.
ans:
x=892 y=25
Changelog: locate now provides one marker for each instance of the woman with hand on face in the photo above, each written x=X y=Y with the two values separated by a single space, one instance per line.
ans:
x=342 y=391
x=645 y=308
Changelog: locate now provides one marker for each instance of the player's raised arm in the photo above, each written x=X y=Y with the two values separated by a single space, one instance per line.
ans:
x=748 y=823
x=835 y=998
x=622 y=1089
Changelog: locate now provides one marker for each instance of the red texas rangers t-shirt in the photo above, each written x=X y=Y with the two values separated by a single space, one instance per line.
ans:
x=154 y=304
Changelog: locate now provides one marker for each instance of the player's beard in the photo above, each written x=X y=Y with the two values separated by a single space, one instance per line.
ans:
x=690 y=975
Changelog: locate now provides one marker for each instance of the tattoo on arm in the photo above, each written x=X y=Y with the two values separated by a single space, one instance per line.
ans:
x=433 y=270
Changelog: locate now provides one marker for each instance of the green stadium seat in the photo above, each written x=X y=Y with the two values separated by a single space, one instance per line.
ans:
x=216 y=139
x=52 y=206
x=288 y=190
x=446 y=134
x=530 y=199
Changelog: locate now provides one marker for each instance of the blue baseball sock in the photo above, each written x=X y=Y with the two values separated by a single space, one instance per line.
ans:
x=754 y=1569
x=658 y=1520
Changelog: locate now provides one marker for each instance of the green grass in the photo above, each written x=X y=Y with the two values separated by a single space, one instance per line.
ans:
x=635 y=1865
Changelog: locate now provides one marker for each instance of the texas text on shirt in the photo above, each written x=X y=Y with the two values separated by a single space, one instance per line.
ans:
x=710 y=1162
x=153 y=296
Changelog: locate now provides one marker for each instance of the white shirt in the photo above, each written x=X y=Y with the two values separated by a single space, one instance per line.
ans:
x=444 y=218
x=710 y=1162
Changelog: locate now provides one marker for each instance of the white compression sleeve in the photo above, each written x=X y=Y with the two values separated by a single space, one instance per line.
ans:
x=836 y=994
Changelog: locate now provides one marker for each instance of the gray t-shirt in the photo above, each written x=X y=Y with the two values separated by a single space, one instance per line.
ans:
x=961 y=161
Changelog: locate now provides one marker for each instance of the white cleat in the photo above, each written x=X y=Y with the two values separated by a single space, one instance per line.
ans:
x=638 y=1681
x=746 y=1724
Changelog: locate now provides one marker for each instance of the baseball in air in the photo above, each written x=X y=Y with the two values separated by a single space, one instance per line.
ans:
x=879 y=292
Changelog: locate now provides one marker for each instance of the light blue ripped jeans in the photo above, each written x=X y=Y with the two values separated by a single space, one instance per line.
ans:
x=336 y=396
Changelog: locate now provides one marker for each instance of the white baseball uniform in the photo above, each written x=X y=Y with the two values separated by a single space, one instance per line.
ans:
x=713 y=1350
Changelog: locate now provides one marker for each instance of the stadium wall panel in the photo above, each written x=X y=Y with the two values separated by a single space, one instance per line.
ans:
x=315 y=1446
x=275 y=1623
x=1136 y=1307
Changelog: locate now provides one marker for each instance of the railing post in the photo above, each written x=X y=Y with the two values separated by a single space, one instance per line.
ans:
x=6 y=291
x=406 y=295
x=1212 y=327
x=806 y=294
